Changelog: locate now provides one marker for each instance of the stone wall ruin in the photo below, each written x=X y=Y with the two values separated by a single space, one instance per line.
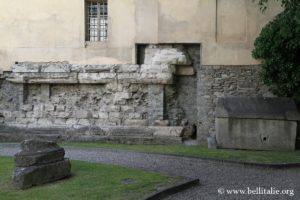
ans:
x=167 y=97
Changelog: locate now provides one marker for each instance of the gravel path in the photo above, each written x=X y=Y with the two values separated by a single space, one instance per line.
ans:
x=213 y=175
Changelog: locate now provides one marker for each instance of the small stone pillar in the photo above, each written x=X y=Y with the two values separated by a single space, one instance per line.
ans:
x=39 y=162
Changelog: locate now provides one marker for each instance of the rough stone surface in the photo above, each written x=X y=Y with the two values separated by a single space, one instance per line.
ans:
x=224 y=81
x=121 y=95
x=166 y=54
x=26 y=177
x=39 y=162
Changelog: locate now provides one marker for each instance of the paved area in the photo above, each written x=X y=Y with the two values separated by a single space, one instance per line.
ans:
x=216 y=178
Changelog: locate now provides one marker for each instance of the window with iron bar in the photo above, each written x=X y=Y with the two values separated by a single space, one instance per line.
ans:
x=96 y=20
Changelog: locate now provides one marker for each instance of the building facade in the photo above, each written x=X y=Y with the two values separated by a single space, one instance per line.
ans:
x=159 y=64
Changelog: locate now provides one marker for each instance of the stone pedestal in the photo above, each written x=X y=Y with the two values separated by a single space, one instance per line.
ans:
x=39 y=162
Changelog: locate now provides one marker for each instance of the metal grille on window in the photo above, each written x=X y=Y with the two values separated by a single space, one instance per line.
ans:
x=97 y=20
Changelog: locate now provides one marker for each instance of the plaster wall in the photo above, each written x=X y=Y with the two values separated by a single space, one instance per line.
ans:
x=54 y=30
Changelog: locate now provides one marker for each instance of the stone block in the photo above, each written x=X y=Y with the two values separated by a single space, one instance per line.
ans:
x=56 y=68
x=49 y=107
x=256 y=123
x=60 y=108
x=128 y=68
x=174 y=56
x=121 y=96
x=39 y=162
x=110 y=108
x=135 y=122
x=84 y=122
x=129 y=109
x=71 y=122
x=44 y=78
x=185 y=70
x=116 y=115
x=60 y=121
x=30 y=158
x=98 y=68
x=96 y=78
x=103 y=115
x=64 y=115
x=27 y=107
x=156 y=69
x=44 y=122
x=172 y=131
x=81 y=114
x=25 y=68
x=134 y=115
x=26 y=177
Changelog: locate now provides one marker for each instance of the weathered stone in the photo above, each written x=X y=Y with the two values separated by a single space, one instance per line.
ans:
x=84 y=122
x=256 y=123
x=156 y=69
x=44 y=78
x=168 y=131
x=49 y=107
x=96 y=78
x=26 y=177
x=44 y=156
x=185 y=70
x=25 y=68
x=128 y=68
x=97 y=68
x=56 y=67
x=81 y=114
x=167 y=55
x=135 y=122
x=161 y=123
x=27 y=107
x=39 y=162
x=60 y=108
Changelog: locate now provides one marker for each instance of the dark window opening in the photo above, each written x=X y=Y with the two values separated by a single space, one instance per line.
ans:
x=96 y=20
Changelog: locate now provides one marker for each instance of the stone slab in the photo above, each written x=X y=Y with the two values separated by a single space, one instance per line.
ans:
x=257 y=108
x=256 y=134
x=26 y=159
x=26 y=177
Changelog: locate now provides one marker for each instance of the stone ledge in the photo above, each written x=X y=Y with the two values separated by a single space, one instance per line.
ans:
x=93 y=74
x=113 y=134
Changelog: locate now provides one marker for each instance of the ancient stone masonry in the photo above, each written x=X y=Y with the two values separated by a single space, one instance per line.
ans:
x=90 y=99
x=168 y=96
x=220 y=81
x=39 y=162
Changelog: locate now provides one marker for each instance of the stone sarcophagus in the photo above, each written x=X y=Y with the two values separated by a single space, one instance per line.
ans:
x=256 y=123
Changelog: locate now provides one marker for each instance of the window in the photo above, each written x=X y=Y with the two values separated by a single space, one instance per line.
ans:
x=96 y=20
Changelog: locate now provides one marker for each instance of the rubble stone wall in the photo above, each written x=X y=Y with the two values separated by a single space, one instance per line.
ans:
x=70 y=96
x=220 y=81
x=147 y=95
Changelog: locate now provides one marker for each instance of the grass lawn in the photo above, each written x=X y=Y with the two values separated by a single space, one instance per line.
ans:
x=90 y=181
x=265 y=157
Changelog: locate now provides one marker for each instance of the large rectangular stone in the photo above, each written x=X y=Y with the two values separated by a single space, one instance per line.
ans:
x=96 y=78
x=256 y=134
x=36 y=175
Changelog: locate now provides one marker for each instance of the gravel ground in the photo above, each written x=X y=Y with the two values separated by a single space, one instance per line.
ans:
x=215 y=177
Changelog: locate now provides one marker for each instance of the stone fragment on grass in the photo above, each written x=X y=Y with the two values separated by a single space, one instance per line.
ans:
x=39 y=162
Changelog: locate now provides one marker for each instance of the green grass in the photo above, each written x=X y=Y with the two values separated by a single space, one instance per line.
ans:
x=265 y=157
x=90 y=181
